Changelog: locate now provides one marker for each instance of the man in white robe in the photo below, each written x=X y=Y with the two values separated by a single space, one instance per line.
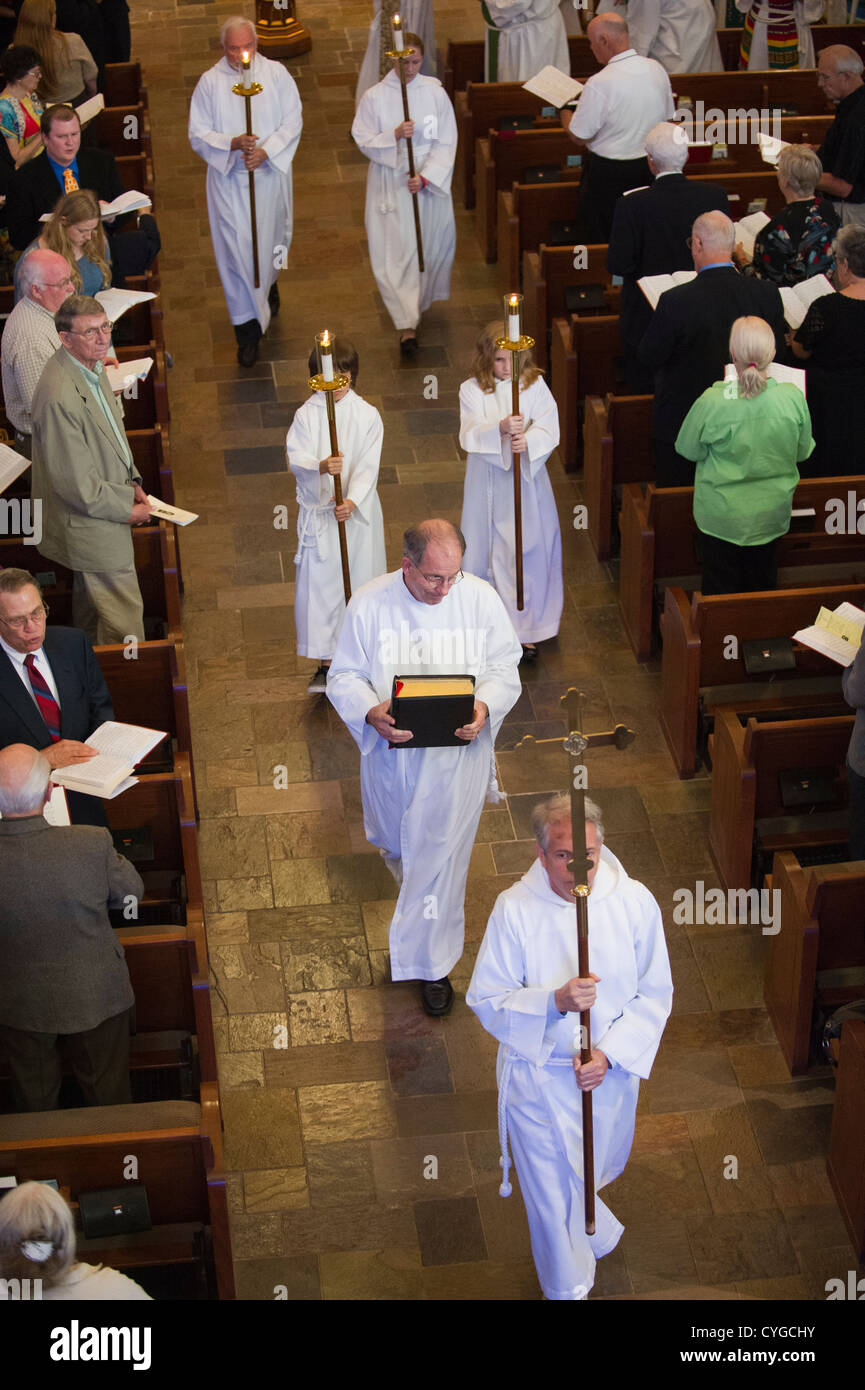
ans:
x=217 y=121
x=417 y=17
x=523 y=36
x=381 y=131
x=678 y=34
x=422 y=805
x=527 y=992
x=784 y=20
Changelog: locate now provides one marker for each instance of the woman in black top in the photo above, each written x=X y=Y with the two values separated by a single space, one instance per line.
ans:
x=797 y=242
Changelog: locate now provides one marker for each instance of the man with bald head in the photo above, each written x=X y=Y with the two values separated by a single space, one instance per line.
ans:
x=216 y=126
x=687 y=342
x=30 y=337
x=842 y=153
x=616 y=110
x=422 y=805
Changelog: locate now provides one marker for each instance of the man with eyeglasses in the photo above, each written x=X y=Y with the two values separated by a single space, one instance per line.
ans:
x=422 y=805
x=86 y=479
x=30 y=338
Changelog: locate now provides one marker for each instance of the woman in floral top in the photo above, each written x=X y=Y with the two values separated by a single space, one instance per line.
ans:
x=20 y=108
x=797 y=242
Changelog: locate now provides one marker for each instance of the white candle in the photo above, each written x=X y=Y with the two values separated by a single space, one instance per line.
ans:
x=326 y=356
x=397 y=33
x=246 y=62
x=514 y=334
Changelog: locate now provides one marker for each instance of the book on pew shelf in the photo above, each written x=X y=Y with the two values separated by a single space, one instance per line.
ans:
x=777 y=371
x=770 y=147
x=554 y=87
x=12 y=465
x=116 y=302
x=166 y=512
x=579 y=298
x=508 y=125
x=563 y=234
x=746 y=231
x=797 y=299
x=120 y=747
x=542 y=173
x=122 y=377
x=836 y=634
x=432 y=707
x=653 y=286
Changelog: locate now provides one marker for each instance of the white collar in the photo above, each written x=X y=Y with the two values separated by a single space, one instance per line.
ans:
x=20 y=657
x=625 y=53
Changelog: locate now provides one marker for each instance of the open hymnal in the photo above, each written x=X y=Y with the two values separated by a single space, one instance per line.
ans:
x=87 y=110
x=116 y=302
x=554 y=87
x=12 y=465
x=131 y=201
x=798 y=298
x=777 y=371
x=120 y=378
x=746 y=231
x=836 y=634
x=653 y=286
x=120 y=747
x=770 y=147
x=166 y=512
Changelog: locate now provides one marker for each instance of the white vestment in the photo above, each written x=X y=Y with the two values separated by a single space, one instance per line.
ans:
x=488 y=504
x=421 y=806
x=528 y=951
x=319 y=603
x=417 y=18
x=216 y=115
x=390 y=229
x=806 y=12
x=678 y=34
x=523 y=36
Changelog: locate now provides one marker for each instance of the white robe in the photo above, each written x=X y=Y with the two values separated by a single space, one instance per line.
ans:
x=319 y=603
x=390 y=230
x=807 y=12
x=216 y=115
x=526 y=35
x=417 y=18
x=421 y=806
x=528 y=951
x=678 y=34
x=488 y=504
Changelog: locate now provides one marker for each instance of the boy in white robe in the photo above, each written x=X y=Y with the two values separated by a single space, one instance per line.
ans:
x=319 y=604
x=417 y=17
x=523 y=36
x=381 y=131
x=526 y=991
x=678 y=34
x=421 y=806
x=491 y=435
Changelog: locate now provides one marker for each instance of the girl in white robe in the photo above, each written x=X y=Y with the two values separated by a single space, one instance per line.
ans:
x=417 y=17
x=523 y=36
x=319 y=604
x=488 y=433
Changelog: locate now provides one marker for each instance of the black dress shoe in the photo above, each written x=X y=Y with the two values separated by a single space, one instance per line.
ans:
x=529 y=654
x=437 y=997
x=247 y=353
x=273 y=299
x=408 y=347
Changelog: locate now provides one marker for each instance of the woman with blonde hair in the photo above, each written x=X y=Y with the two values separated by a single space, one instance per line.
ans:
x=75 y=231
x=68 y=70
x=491 y=434
x=747 y=436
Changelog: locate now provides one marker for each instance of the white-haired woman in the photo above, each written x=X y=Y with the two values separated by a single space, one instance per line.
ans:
x=37 y=1241
x=797 y=242
x=747 y=437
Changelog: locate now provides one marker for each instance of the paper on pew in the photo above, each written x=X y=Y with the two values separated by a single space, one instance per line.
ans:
x=554 y=87
x=166 y=512
x=777 y=371
x=116 y=302
x=56 y=812
x=770 y=147
x=12 y=465
x=746 y=231
x=798 y=298
x=131 y=201
x=124 y=375
x=836 y=634
x=653 y=286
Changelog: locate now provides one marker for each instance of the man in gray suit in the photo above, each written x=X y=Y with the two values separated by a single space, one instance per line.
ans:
x=85 y=479
x=63 y=975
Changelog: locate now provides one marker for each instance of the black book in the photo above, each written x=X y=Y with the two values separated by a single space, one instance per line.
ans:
x=432 y=707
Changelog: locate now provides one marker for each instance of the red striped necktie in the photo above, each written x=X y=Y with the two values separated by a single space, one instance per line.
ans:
x=48 y=706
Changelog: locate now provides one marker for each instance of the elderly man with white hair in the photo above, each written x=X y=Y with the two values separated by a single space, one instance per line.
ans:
x=217 y=133
x=527 y=991
x=842 y=153
x=650 y=235
x=30 y=337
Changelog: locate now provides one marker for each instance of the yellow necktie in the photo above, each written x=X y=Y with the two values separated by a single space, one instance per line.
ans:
x=70 y=183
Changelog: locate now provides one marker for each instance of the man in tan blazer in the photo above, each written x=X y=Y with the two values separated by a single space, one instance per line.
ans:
x=84 y=477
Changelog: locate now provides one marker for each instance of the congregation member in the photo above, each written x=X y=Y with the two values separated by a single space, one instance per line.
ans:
x=521 y=37
x=64 y=975
x=853 y=689
x=86 y=479
x=831 y=343
x=842 y=153
x=422 y=805
x=85 y=18
x=747 y=439
x=492 y=435
x=30 y=338
x=417 y=18
x=75 y=232
x=37 y=1242
x=777 y=35
x=650 y=234
x=53 y=695
x=381 y=131
x=616 y=110
x=215 y=116
x=64 y=168
x=526 y=990
x=20 y=107
x=679 y=34
x=319 y=605
x=796 y=242
x=686 y=342
x=68 y=69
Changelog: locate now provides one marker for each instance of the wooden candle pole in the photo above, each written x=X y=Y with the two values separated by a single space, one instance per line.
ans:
x=518 y=481
x=327 y=382
x=248 y=92
x=401 y=54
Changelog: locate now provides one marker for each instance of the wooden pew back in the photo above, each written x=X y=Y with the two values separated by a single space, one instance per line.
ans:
x=846 y=1161
x=547 y=273
x=150 y=688
x=122 y=85
x=617 y=452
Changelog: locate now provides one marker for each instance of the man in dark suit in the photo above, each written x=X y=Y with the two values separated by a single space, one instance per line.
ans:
x=64 y=974
x=651 y=229
x=687 y=343
x=38 y=185
x=63 y=672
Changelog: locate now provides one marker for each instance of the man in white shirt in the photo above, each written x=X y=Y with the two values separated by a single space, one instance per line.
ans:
x=615 y=112
x=30 y=338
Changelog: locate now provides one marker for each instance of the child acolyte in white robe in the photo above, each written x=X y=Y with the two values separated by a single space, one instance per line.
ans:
x=421 y=806
x=530 y=950
x=488 y=503
x=389 y=219
x=319 y=603
x=417 y=18
x=523 y=36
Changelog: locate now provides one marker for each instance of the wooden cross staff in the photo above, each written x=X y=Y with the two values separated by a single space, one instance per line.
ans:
x=575 y=745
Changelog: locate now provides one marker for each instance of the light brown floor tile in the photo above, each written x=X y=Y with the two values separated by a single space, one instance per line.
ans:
x=391 y=1274
x=361 y=1110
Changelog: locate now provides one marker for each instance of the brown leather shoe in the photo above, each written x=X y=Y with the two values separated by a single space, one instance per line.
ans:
x=437 y=997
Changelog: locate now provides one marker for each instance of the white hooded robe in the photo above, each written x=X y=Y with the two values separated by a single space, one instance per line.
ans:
x=523 y=36
x=678 y=34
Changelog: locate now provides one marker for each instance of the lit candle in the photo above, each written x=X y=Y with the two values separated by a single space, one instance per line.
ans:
x=325 y=348
x=397 y=33
x=245 y=64
x=514 y=333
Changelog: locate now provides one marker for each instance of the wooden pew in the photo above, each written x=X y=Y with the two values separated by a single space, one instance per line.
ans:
x=178 y=1147
x=748 y=759
x=136 y=172
x=150 y=690
x=122 y=130
x=479 y=109
x=168 y=969
x=501 y=159
x=150 y=450
x=145 y=403
x=464 y=62
x=697 y=633
x=822 y=910
x=153 y=824
x=846 y=1162
x=583 y=362
x=616 y=452
x=547 y=274
x=123 y=86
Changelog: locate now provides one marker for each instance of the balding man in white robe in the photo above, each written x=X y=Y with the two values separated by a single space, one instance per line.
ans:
x=678 y=34
x=522 y=37
x=527 y=992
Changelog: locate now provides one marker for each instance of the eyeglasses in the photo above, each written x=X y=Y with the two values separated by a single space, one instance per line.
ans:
x=435 y=580
x=54 y=284
x=104 y=331
x=19 y=624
